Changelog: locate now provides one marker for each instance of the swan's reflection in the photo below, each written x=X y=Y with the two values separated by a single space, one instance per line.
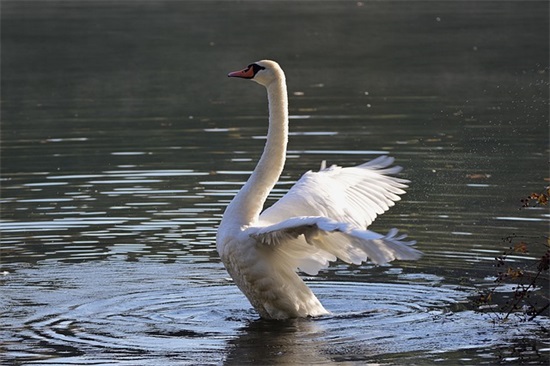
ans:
x=290 y=342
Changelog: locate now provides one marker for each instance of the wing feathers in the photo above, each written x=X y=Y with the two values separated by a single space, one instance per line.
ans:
x=324 y=216
x=356 y=195
x=310 y=243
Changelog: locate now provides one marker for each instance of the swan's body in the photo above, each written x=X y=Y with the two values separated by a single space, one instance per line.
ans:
x=323 y=217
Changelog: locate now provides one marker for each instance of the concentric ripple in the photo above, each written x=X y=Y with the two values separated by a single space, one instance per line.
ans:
x=116 y=311
x=155 y=313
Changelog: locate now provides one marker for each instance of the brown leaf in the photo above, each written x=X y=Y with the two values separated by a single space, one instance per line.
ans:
x=520 y=247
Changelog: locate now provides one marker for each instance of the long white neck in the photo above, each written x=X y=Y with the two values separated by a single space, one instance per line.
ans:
x=248 y=203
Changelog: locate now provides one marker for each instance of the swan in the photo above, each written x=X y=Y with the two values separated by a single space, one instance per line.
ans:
x=323 y=217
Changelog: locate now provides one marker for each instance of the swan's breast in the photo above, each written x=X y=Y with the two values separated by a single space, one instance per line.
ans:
x=271 y=285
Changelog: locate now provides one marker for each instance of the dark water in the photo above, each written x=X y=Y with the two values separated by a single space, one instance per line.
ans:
x=122 y=141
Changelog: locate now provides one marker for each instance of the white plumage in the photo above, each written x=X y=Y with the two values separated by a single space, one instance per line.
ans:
x=323 y=217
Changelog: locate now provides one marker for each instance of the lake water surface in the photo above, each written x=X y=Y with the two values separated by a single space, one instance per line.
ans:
x=123 y=140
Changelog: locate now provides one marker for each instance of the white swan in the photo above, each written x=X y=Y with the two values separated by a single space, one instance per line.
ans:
x=323 y=217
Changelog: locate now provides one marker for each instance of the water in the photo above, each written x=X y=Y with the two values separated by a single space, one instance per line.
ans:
x=145 y=312
x=123 y=141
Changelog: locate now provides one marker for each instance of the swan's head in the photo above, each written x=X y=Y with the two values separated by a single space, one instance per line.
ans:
x=263 y=72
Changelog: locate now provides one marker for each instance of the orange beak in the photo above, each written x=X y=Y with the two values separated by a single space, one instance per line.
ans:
x=247 y=73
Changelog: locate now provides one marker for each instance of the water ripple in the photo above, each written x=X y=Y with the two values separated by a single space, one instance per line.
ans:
x=163 y=314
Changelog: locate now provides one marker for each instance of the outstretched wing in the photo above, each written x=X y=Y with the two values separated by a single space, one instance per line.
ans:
x=324 y=216
x=310 y=243
x=354 y=195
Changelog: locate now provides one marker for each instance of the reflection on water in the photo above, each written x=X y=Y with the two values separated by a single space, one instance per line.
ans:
x=169 y=314
x=122 y=145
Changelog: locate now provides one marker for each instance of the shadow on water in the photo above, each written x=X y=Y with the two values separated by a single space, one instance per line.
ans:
x=122 y=144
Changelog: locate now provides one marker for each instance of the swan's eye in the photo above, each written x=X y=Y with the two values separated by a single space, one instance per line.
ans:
x=255 y=68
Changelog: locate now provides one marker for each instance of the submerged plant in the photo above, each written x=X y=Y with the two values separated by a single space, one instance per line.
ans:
x=525 y=280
